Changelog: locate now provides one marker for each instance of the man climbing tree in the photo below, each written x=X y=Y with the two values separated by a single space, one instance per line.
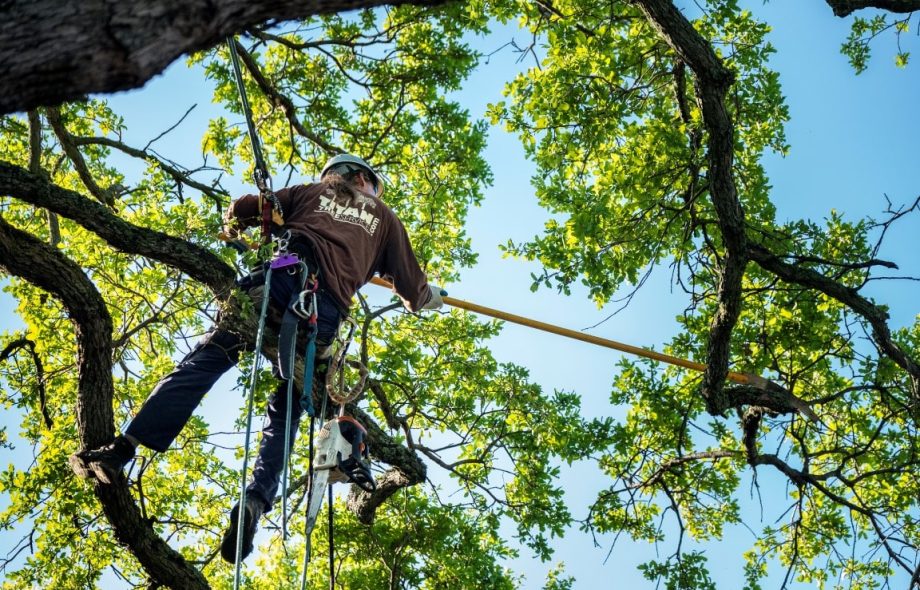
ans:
x=647 y=123
x=345 y=234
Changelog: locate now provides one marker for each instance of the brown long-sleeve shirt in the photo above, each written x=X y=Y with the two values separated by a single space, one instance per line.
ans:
x=352 y=236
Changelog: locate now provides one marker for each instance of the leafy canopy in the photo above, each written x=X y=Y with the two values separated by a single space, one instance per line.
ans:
x=610 y=116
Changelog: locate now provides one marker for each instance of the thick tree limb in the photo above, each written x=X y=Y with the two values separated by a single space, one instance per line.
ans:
x=712 y=82
x=44 y=266
x=873 y=314
x=24 y=256
x=772 y=398
x=848 y=7
x=199 y=263
x=52 y=51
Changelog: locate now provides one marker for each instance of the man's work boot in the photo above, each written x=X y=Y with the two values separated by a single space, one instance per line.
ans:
x=105 y=463
x=254 y=508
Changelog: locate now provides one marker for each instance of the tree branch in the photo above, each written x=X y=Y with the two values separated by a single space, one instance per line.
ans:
x=197 y=262
x=712 y=82
x=35 y=167
x=180 y=176
x=39 y=374
x=286 y=104
x=79 y=164
x=670 y=464
x=847 y=7
x=114 y=46
x=874 y=315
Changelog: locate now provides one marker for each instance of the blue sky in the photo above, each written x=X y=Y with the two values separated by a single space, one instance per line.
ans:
x=854 y=139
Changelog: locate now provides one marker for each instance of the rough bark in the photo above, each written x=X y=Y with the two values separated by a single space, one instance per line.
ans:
x=848 y=7
x=44 y=266
x=53 y=51
x=712 y=80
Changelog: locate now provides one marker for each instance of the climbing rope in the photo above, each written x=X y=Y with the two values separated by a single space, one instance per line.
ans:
x=268 y=203
x=271 y=211
x=336 y=388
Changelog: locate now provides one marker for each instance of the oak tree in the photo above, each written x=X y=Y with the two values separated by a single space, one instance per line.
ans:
x=647 y=128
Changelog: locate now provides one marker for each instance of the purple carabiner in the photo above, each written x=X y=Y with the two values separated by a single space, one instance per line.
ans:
x=285 y=261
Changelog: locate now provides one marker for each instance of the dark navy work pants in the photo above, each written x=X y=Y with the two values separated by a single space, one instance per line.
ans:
x=176 y=396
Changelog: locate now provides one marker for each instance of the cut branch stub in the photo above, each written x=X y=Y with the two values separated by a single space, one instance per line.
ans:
x=847 y=7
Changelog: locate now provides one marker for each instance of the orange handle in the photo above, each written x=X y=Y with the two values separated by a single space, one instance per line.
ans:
x=629 y=349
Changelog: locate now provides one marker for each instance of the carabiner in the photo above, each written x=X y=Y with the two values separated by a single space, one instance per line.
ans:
x=305 y=306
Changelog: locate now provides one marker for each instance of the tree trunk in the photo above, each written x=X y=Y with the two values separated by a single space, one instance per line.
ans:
x=43 y=265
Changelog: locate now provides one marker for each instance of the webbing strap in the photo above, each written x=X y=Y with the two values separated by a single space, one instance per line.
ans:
x=309 y=361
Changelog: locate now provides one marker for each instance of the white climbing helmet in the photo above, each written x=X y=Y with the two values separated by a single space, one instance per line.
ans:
x=345 y=163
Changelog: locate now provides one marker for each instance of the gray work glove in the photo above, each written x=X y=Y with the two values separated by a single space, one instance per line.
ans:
x=435 y=301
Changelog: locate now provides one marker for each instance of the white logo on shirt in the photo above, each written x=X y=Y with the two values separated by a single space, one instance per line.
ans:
x=350 y=210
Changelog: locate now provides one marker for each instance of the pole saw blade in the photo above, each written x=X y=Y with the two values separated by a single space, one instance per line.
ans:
x=317 y=494
x=319 y=483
